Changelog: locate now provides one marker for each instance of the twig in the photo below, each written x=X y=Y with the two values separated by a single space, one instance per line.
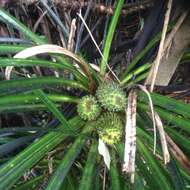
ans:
x=163 y=141
x=94 y=41
x=80 y=32
x=70 y=44
x=175 y=29
x=39 y=20
x=153 y=72
x=143 y=88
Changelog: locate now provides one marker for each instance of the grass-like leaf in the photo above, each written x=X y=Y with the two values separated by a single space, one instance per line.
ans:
x=114 y=173
x=88 y=173
x=52 y=107
x=31 y=184
x=29 y=98
x=156 y=171
x=6 y=48
x=23 y=108
x=15 y=168
x=110 y=36
x=170 y=117
x=176 y=175
x=13 y=86
x=6 y=17
x=167 y=103
x=16 y=62
x=62 y=170
x=11 y=146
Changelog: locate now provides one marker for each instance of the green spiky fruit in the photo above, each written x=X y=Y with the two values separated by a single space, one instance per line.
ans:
x=88 y=108
x=111 y=97
x=109 y=128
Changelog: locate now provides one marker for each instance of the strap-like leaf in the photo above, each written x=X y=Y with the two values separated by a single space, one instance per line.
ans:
x=170 y=117
x=5 y=16
x=179 y=138
x=88 y=174
x=53 y=108
x=165 y=102
x=110 y=36
x=114 y=174
x=22 y=99
x=14 y=169
x=62 y=170
x=31 y=184
x=156 y=171
x=5 y=48
x=12 y=86
x=16 y=143
x=177 y=178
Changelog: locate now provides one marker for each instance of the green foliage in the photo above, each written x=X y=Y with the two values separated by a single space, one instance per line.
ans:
x=110 y=36
x=69 y=147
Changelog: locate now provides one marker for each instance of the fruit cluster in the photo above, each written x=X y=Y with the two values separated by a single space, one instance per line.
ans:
x=110 y=98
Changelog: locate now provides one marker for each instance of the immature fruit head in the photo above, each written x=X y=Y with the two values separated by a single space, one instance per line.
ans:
x=109 y=128
x=88 y=108
x=111 y=97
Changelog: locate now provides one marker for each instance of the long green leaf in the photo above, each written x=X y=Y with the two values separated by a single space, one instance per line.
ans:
x=145 y=172
x=62 y=170
x=23 y=108
x=181 y=140
x=21 y=99
x=175 y=173
x=30 y=102
x=9 y=19
x=114 y=174
x=167 y=103
x=88 y=174
x=137 y=71
x=31 y=184
x=11 y=86
x=14 y=169
x=156 y=170
x=170 y=117
x=5 y=48
x=16 y=62
x=52 y=107
x=110 y=36
x=139 y=57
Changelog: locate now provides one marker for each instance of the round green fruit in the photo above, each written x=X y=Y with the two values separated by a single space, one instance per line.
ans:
x=88 y=108
x=111 y=97
x=110 y=127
